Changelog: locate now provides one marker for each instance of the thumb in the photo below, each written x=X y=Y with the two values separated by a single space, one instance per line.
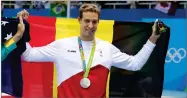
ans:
x=155 y=23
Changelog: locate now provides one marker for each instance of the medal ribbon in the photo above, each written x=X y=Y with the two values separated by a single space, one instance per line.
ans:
x=86 y=70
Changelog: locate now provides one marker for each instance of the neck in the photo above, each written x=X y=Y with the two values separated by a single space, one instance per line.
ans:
x=84 y=38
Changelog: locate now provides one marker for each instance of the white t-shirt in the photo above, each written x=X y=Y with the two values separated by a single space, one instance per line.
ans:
x=66 y=56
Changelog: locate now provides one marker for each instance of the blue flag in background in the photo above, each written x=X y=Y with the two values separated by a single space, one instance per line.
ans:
x=11 y=71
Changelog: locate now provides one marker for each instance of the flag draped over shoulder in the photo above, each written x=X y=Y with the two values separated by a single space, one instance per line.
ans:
x=40 y=78
x=11 y=71
x=130 y=37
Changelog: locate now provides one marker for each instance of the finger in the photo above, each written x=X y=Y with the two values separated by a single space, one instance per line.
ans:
x=155 y=23
x=26 y=14
x=18 y=14
x=156 y=20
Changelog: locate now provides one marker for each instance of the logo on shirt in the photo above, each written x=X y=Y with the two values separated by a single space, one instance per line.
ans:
x=101 y=53
x=74 y=51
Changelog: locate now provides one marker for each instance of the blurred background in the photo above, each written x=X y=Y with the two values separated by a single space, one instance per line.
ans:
x=173 y=14
x=126 y=9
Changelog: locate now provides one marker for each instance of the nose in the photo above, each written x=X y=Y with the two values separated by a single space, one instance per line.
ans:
x=90 y=25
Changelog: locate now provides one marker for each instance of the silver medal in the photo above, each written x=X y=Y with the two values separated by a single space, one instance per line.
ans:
x=85 y=83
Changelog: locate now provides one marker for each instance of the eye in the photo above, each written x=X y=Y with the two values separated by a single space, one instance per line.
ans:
x=86 y=21
x=94 y=21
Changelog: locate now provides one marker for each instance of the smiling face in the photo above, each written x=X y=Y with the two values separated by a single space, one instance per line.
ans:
x=88 y=24
x=88 y=19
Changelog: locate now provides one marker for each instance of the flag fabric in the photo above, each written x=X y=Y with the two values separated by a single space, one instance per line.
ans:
x=167 y=7
x=11 y=71
x=40 y=78
x=148 y=82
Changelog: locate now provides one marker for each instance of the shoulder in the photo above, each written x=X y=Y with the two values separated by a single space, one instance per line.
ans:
x=103 y=43
x=106 y=45
x=67 y=40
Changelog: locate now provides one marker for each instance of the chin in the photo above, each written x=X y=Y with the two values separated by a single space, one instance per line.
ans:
x=90 y=34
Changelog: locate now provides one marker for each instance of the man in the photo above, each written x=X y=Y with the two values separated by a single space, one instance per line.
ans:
x=83 y=62
x=10 y=45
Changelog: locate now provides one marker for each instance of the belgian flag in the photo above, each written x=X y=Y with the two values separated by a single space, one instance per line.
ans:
x=40 y=78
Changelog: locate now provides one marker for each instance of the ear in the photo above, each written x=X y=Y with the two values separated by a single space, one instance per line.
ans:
x=79 y=19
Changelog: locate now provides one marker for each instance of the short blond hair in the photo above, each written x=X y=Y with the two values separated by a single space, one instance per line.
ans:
x=89 y=7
